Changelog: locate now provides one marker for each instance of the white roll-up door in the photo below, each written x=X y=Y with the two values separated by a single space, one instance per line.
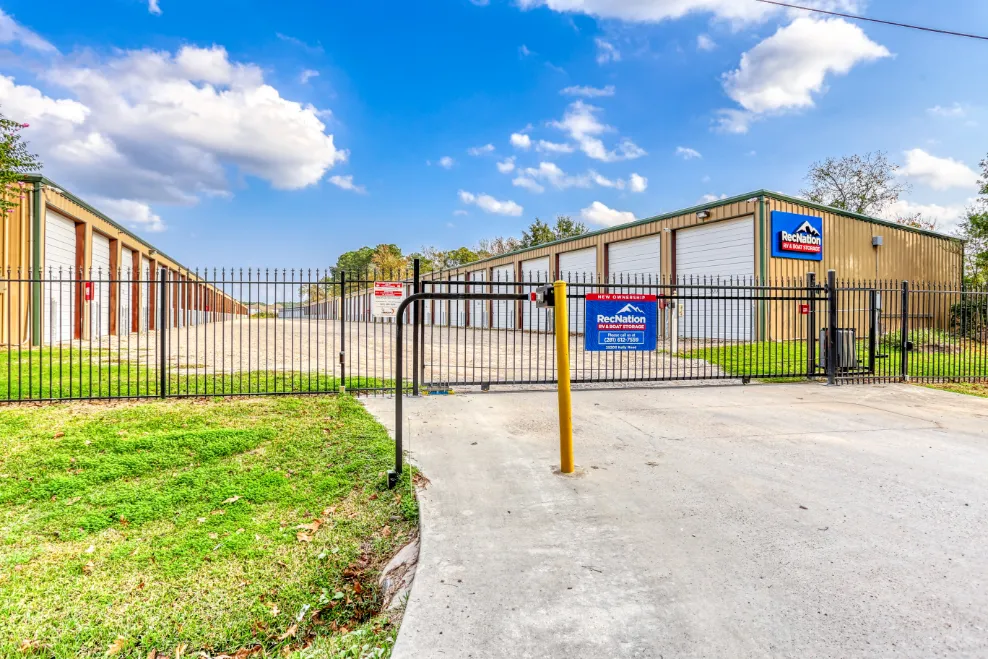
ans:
x=125 y=279
x=100 y=275
x=504 y=311
x=719 y=253
x=60 y=275
x=458 y=308
x=145 y=288
x=478 y=308
x=534 y=272
x=636 y=261
x=579 y=268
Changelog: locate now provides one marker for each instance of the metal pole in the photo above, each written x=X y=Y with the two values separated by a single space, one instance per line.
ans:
x=162 y=334
x=904 y=334
x=416 y=319
x=562 y=376
x=832 y=329
x=811 y=325
x=872 y=329
x=342 y=382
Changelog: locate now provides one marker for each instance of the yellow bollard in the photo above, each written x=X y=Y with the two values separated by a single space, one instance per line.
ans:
x=562 y=370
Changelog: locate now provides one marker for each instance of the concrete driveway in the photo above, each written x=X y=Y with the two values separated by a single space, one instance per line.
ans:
x=759 y=521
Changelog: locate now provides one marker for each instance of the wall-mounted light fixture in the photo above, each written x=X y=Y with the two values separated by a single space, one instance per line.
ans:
x=152 y=252
x=877 y=241
x=703 y=214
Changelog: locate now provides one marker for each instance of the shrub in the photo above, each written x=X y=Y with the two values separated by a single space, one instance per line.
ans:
x=969 y=318
x=922 y=339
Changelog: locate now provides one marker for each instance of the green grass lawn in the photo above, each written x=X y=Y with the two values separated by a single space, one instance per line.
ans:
x=187 y=526
x=777 y=360
x=45 y=373
x=968 y=388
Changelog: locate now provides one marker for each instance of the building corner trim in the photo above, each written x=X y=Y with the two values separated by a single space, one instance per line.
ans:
x=37 y=202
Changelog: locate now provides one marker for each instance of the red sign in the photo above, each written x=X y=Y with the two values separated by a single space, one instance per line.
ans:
x=804 y=309
x=207 y=307
x=801 y=247
x=89 y=291
x=620 y=297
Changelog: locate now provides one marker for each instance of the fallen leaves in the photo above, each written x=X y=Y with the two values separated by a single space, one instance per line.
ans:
x=232 y=499
x=116 y=646
x=91 y=549
x=312 y=526
x=88 y=568
x=29 y=645
x=289 y=632
x=303 y=537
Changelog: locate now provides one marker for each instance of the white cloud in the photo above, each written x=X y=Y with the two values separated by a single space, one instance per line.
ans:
x=687 y=153
x=480 y=150
x=710 y=198
x=786 y=70
x=135 y=214
x=553 y=147
x=13 y=32
x=528 y=184
x=346 y=182
x=605 y=182
x=955 y=111
x=489 y=204
x=153 y=126
x=656 y=10
x=556 y=177
x=521 y=141
x=637 y=183
x=524 y=51
x=460 y=213
x=606 y=52
x=938 y=173
x=154 y=8
x=588 y=92
x=705 y=43
x=446 y=162
x=307 y=75
x=598 y=213
x=947 y=217
x=581 y=123
x=507 y=165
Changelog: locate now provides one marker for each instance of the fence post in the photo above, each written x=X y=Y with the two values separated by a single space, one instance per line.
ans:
x=811 y=325
x=416 y=319
x=873 y=317
x=162 y=335
x=343 y=305
x=832 y=329
x=904 y=334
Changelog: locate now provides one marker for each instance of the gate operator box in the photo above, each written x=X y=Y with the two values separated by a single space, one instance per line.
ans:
x=544 y=296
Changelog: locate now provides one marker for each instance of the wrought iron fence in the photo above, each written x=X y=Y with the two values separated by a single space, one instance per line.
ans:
x=231 y=332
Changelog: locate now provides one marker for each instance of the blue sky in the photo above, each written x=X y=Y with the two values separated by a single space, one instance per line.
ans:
x=266 y=134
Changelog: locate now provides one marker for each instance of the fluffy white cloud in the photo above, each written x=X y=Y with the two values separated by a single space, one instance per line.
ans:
x=784 y=71
x=460 y=213
x=946 y=217
x=524 y=51
x=528 y=184
x=687 y=153
x=346 y=182
x=938 y=173
x=307 y=75
x=13 y=32
x=598 y=213
x=521 y=141
x=507 y=165
x=480 y=150
x=154 y=8
x=655 y=10
x=637 y=183
x=446 y=162
x=588 y=92
x=955 y=111
x=556 y=177
x=553 y=147
x=489 y=204
x=704 y=42
x=581 y=124
x=135 y=214
x=606 y=52
x=710 y=198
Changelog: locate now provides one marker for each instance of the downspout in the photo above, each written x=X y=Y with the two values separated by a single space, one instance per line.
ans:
x=762 y=267
x=36 y=266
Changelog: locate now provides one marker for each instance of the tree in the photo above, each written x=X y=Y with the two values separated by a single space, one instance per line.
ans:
x=539 y=232
x=865 y=184
x=917 y=221
x=974 y=230
x=15 y=161
x=355 y=261
x=388 y=260
x=498 y=245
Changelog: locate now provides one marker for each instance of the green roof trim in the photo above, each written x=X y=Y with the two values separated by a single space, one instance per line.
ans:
x=751 y=196
x=42 y=180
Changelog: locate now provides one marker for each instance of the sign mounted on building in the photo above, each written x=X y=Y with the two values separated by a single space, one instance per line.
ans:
x=620 y=322
x=388 y=296
x=797 y=236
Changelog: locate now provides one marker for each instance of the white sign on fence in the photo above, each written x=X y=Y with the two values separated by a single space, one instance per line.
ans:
x=388 y=296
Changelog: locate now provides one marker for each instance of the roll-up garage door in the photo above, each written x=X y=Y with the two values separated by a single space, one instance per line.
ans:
x=504 y=311
x=719 y=253
x=458 y=308
x=145 y=289
x=636 y=261
x=478 y=308
x=99 y=306
x=579 y=268
x=60 y=275
x=533 y=272
x=126 y=277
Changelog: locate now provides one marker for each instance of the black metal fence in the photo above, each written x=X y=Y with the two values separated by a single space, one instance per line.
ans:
x=231 y=332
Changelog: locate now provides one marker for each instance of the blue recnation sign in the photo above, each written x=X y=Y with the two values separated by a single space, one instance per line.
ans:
x=797 y=236
x=620 y=322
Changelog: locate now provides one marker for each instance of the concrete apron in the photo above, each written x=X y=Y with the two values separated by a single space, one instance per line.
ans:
x=781 y=520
